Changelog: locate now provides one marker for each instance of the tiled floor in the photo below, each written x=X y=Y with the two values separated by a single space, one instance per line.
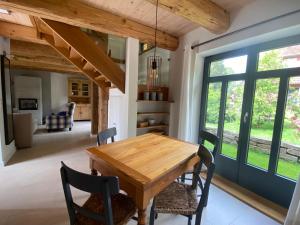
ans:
x=31 y=192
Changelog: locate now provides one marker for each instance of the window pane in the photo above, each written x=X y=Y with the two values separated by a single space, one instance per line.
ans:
x=228 y=66
x=264 y=110
x=233 y=111
x=289 y=159
x=209 y=146
x=213 y=107
x=281 y=58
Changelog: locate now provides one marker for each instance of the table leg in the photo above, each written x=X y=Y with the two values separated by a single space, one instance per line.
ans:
x=142 y=217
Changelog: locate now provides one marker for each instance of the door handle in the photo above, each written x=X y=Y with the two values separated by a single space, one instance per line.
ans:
x=246 y=117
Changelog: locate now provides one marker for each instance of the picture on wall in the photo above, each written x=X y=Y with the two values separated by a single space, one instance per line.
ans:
x=7 y=99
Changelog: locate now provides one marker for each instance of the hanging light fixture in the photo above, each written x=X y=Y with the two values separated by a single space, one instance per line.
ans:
x=154 y=62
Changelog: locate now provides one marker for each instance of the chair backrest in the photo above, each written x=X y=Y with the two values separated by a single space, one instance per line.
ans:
x=207 y=159
x=106 y=134
x=211 y=138
x=105 y=186
x=71 y=109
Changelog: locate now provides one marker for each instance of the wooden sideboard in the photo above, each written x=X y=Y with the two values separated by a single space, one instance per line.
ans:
x=80 y=92
x=82 y=112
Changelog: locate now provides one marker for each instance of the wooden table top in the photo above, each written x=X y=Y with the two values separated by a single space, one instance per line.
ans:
x=145 y=158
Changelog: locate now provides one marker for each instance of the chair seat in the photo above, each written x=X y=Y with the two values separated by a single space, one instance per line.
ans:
x=123 y=208
x=177 y=198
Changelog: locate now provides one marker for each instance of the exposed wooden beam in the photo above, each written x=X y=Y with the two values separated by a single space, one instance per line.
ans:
x=19 y=63
x=29 y=34
x=95 y=109
x=28 y=55
x=19 y=32
x=76 y=13
x=103 y=108
x=203 y=12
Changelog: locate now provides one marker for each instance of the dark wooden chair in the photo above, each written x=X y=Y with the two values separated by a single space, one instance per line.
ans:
x=181 y=198
x=106 y=134
x=212 y=139
x=105 y=206
x=205 y=136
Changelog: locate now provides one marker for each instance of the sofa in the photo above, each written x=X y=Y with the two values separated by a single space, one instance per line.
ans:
x=62 y=120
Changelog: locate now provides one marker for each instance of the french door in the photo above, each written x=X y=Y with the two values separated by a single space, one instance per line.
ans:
x=251 y=100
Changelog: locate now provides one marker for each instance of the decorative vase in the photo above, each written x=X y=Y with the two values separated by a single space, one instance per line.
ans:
x=146 y=95
x=160 y=96
x=153 y=96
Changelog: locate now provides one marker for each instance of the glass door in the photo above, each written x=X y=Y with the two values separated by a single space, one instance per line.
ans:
x=230 y=131
x=262 y=123
x=224 y=106
x=251 y=100
x=289 y=157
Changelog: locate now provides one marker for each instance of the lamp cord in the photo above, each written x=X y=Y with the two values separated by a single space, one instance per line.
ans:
x=155 y=29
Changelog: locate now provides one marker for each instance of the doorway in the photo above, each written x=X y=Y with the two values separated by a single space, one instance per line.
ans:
x=251 y=100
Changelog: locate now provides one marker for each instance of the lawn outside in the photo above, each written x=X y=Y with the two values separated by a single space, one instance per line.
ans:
x=255 y=157
x=260 y=158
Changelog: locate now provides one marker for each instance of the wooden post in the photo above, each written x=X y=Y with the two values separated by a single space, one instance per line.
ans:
x=95 y=109
x=103 y=108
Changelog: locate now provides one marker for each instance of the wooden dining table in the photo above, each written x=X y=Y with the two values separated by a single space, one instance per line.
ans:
x=145 y=165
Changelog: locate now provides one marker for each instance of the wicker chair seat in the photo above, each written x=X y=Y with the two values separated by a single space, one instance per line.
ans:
x=123 y=208
x=177 y=198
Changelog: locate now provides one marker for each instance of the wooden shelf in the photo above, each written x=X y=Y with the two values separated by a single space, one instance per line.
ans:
x=154 y=126
x=153 y=113
x=150 y=101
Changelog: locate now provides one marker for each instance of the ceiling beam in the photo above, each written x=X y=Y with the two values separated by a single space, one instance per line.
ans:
x=76 y=13
x=203 y=12
x=29 y=34
x=19 y=32
x=28 y=55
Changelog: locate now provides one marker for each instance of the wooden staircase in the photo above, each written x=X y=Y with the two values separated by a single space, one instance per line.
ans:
x=79 y=49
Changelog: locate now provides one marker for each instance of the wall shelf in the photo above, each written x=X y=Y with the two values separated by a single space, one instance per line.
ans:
x=150 y=101
x=153 y=113
x=154 y=126
x=159 y=111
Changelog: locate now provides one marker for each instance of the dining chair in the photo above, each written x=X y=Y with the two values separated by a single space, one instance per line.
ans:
x=212 y=139
x=182 y=199
x=106 y=134
x=204 y=137
x=105 y=206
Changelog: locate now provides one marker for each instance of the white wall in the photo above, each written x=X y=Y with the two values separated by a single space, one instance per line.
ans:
x=54 y=88
x=117 y=45
x=187 y=65
x=123 y=107
x=6 y=151
x=59 y=91
x=46 y=86
x=29 y=87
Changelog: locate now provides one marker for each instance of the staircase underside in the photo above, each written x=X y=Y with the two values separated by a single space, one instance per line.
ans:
x=80 y=50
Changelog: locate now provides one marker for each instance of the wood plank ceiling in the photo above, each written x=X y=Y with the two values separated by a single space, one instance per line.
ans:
x=144 y=12
x=139 y=11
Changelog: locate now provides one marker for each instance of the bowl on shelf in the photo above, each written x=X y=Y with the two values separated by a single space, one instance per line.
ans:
x=151 y=122
x=144 y=124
